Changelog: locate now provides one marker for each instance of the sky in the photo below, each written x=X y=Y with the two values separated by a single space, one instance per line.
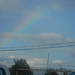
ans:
x=38 y=25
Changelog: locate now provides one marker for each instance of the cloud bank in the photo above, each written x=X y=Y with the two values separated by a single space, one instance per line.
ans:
x=32 y=39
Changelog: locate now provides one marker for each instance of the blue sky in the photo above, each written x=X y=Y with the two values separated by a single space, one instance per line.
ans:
x=48 y=22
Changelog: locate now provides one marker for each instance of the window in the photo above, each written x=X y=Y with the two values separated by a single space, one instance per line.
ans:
x=72 y=73
x=2 y=71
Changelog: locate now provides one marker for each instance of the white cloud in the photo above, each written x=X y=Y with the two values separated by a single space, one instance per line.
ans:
x=50 y=35
x=32 y=61
x=22 y=39
x=72 y=52
x=36 y=61
x=12 y=57
x=58 y=61
x=60 y=5
x=41 y=35
x=32 y=39
x=56 y=6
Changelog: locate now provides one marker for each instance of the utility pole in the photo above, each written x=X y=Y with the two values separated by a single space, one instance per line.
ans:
x=16 y=67
x=48 y=62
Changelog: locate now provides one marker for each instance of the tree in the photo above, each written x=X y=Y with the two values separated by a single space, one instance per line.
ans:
x=50 y=72
x=21 y=68
x=65 y=73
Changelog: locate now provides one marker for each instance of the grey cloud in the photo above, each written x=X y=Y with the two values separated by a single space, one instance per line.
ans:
x=58 y=4
x=72 y=52
x=10 y=5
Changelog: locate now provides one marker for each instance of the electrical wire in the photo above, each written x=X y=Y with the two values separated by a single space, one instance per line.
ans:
x=36 y=48
x=41 y=45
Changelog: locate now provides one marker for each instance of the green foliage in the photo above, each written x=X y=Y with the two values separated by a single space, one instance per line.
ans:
x=50 y=72
x=65 y=73
x=21 y=68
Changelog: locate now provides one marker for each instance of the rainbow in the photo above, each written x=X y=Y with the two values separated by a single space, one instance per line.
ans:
x=32 y=18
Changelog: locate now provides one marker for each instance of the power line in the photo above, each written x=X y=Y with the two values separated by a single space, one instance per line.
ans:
x=39 y=45
x=37 y=48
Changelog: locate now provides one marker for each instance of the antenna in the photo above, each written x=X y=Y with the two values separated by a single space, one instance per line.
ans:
x=48 y=62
